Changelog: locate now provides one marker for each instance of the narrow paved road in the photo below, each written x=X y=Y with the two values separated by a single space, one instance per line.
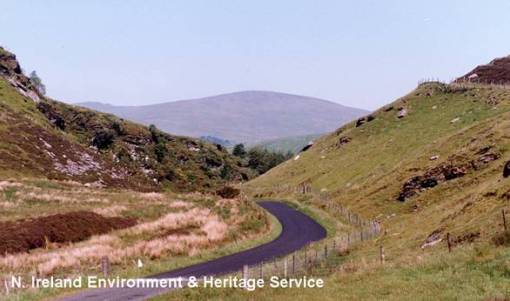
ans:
x=298 y=229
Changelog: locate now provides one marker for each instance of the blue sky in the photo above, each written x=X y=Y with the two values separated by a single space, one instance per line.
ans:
x=358 y=53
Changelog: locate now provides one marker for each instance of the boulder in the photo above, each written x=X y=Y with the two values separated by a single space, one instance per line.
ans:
x=433 y=239
x=506 y=170
x=343 y=140
x=360 y=121
x=307 y=147
x=402 y=112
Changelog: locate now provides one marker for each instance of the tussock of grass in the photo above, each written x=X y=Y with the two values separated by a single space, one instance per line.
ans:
x=172 y=230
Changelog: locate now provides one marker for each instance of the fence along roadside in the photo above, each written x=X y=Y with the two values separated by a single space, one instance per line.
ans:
x=314 y=254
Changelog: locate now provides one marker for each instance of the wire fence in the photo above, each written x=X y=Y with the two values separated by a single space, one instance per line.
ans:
x=465 y=84
x=317 y=253
x=311 y=257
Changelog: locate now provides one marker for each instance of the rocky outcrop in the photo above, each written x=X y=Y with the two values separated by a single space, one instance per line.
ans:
x=431 y=178
x=53 y=116
x=307 y=147
x=402 y=112
x=454 y=167
x=10 y=69
x=496 y=72
x=342 y=141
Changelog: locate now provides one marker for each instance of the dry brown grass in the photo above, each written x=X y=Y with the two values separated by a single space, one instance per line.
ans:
x=212 y=230
x=169 y=225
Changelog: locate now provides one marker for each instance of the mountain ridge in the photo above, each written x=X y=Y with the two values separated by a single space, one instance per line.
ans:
x=242 y=116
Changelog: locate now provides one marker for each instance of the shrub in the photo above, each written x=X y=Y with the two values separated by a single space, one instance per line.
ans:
x=239 y=151
x=103 y=139
x=228 y=192
x=502 y=239
x=118 y=128
x=37 y=82
x=225 y=172
x=160 y=151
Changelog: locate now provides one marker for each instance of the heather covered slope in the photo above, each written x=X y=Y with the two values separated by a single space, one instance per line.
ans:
x=248 y=116
x=40 y=137
x=495 y=72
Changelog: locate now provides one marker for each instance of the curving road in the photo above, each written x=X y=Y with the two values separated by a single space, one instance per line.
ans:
x=298 y=230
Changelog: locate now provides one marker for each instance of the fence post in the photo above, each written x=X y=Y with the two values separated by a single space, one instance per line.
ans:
x=245 y=272
x=261 y=273
x=293 y=263
x=285 y=267
x=381 y=254
x=105 y=266
x=306 y=259
x=6 y=283
x=448 y=242
x=326 y=250
x=504 y=219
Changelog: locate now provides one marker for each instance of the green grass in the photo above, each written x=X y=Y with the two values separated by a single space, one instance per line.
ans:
x=367 y=174
x=9 y=193
x=288 y=144
x=478 y=272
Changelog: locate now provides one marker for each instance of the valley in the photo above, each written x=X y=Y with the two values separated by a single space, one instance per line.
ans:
x=409 y=200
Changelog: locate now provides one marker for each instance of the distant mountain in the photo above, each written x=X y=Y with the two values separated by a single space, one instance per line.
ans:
x=249 y=116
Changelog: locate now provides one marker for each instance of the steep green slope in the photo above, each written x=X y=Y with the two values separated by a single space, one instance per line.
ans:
x=43 y=137
x=289 y=144
x=437 y=170
x=446 y=127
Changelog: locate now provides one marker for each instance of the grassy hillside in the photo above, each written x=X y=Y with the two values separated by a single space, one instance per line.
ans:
x=290 y=144
x=449 y=150
x=40 y=137
x=368 y=172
